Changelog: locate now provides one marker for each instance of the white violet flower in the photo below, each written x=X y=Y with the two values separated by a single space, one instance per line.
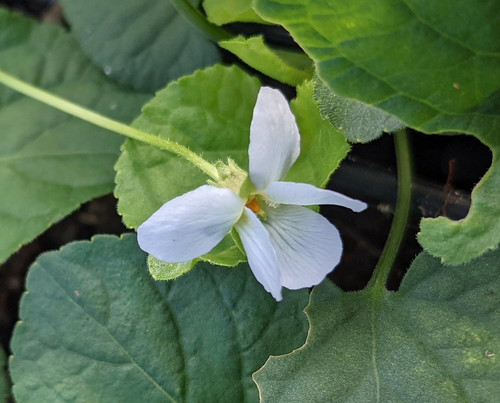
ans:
x=287 y=245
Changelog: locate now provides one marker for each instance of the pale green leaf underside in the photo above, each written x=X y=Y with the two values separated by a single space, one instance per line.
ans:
x=117 y=335
x=50 y=163
x=358 y=122
x=257 y=54
x=225 y=12
x=4 y=385
x=435 y=340
x=420 y=62
x=144 y=45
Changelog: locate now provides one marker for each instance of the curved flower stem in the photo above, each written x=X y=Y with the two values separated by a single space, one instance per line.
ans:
x=198 y=20
x=107 y=123
x=404 y=165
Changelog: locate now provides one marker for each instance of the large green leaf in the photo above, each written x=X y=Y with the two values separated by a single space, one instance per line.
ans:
x=4 y=384
x=435 y=340
x=142 y=44
x=216 y=125
x=95 y=327
x=420 y=62
x=50 y=163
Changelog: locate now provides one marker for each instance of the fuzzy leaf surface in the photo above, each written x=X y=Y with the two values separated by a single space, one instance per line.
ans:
x=50 y=163
x=419 y=62
x=114 y=326
x=141 y=44
x=435 y=340
x=358 y=122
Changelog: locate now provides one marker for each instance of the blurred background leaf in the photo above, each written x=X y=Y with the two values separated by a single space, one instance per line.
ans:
x=141 y=44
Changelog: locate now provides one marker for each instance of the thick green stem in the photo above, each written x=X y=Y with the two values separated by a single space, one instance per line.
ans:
x=198 y=20
x=404 y=165
x=107 y=123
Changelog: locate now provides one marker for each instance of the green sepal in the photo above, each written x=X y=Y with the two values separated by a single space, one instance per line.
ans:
x=168 y=271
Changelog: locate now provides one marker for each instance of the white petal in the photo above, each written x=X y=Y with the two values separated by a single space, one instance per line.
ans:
x=260 y=253
x=306 y=195
x=307 y=245
x=190 y=225
x=274 y=138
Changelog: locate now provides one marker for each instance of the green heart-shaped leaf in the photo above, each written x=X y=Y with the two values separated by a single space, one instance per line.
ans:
x=435 y=340
x=95 y=326
x=214 y=125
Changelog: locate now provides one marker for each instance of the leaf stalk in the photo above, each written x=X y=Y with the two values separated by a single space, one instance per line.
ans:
x=404 y=166
x=106 y=123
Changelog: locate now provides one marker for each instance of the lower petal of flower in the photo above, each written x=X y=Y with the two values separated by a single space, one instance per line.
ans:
x=190 y=225
x=307 y=245
x=260 y=253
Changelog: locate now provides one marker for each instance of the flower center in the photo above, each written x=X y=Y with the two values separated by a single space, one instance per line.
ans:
x=254 y=206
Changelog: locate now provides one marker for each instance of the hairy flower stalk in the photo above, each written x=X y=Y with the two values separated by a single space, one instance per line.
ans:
x=287 y=245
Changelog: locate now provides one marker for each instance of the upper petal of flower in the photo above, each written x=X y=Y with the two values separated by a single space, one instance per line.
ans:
x=190 y=225
x=307 y=245
x=306 y=195
x=260 y=253
x=274 y=138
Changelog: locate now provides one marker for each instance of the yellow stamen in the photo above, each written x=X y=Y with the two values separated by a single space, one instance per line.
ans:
x=254 y=206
